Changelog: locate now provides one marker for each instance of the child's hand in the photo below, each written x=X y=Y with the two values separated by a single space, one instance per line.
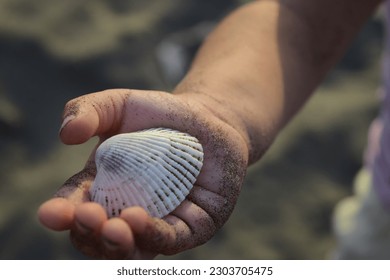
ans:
x=134 y=234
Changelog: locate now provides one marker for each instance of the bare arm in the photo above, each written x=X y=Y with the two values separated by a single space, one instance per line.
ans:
x=264 y=60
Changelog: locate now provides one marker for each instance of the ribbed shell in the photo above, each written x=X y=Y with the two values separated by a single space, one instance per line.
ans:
x=154 y=169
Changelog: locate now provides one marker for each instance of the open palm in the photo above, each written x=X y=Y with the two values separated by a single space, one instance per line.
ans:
x=134 y=234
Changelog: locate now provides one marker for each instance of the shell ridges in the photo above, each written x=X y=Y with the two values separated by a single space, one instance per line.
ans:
x=155 y=169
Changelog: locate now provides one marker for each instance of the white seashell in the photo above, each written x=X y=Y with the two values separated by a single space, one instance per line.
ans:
x=154 y=169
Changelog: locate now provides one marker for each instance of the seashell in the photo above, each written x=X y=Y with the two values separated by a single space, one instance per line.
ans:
x=154 y=169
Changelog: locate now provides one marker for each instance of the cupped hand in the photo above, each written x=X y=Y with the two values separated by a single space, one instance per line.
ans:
x=134 y=234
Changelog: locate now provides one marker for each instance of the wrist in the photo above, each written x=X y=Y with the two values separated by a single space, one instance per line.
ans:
x=254 y=126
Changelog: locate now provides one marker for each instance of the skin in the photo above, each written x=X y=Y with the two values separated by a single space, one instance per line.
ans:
x=250 y=77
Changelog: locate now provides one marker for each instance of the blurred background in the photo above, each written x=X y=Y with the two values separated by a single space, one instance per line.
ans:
x=53 y=51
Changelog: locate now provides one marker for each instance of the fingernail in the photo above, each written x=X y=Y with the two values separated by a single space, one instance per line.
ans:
x=83 y=229
x=65 y=122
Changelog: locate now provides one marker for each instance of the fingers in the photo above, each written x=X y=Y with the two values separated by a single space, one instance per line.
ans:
x=56 y=214
x=91 y=115
x=114 y=111
x=96 y=236
x=85 y=232
x=136 y=218
x=152 y=234
x=187 y=227
x=118 y=240
x=89 y=217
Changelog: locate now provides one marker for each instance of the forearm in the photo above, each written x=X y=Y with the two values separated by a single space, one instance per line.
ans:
x=258 y=67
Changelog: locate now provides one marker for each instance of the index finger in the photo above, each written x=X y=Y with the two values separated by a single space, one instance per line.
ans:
x=58 y=213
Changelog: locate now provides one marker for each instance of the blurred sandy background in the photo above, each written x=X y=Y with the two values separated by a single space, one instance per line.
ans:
x=52 y=51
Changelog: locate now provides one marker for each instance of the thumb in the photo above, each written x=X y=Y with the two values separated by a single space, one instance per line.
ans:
x=92 y=114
